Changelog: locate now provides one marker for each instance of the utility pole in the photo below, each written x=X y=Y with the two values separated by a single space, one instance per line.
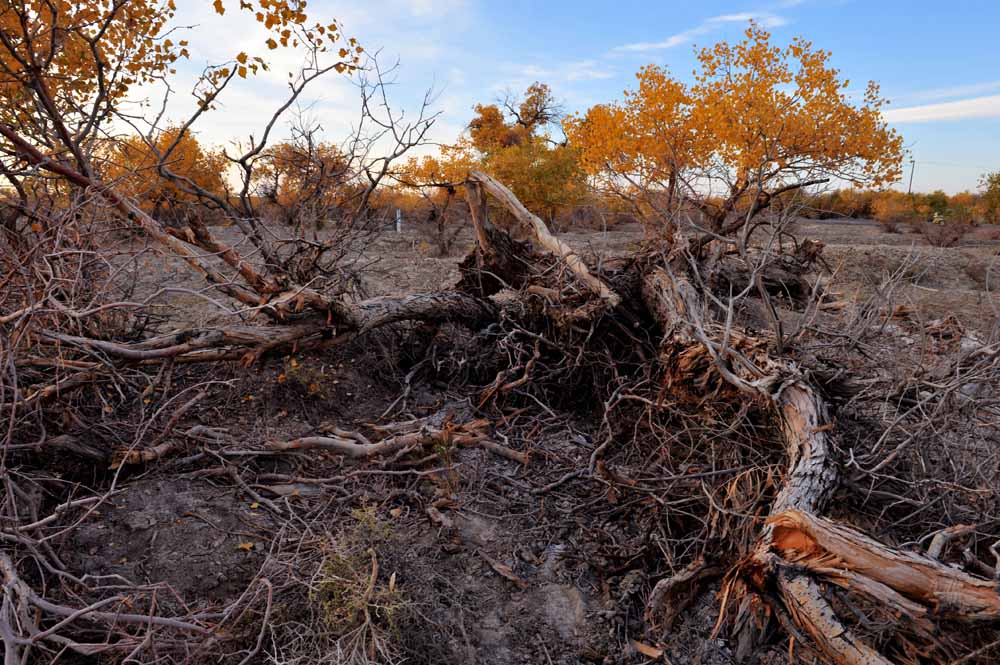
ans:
x=913 y=166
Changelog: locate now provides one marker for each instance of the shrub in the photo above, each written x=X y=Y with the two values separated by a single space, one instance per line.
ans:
x=947 y=234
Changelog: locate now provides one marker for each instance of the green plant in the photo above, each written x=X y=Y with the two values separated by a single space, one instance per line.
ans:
x=359 y=606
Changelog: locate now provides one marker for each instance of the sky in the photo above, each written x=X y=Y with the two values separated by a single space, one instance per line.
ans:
x=935 y=61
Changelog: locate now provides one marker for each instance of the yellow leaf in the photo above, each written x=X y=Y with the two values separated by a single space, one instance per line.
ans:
x=271 y=44
x=242 y=71
x=245 y=546
x=254 y=506
x=218 y=7
x=241 y=58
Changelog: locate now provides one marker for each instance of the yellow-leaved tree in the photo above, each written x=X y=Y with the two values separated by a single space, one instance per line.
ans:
x=67 y=67
x=759 y=121
x=513 y=142
x=989 y=185
x=305 y=180
x=436 y=179
x=131 y=165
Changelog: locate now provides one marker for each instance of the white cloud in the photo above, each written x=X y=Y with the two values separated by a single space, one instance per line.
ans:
x=975 y=107
x=967 y=90
x=732 y=18
x=669 y=42
x=765 y=19
x=587 y=70
x=569 y=72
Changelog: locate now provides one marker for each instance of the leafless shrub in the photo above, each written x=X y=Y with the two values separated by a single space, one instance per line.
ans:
x=890 y=225
x=989 y=233
x=982 y=271
x=945 y=234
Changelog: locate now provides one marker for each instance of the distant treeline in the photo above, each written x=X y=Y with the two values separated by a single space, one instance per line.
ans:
x=891 y=206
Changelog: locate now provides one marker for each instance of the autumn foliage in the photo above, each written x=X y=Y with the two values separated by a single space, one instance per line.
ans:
x=133 y=165
x=758 y=121
x=512 y=140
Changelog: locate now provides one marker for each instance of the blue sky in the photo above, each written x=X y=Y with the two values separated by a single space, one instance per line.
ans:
x=936 y=61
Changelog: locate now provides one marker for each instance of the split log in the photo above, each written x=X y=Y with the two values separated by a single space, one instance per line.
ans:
x=825 y=547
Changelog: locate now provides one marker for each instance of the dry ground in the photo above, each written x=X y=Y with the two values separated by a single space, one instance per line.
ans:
x=507 y=567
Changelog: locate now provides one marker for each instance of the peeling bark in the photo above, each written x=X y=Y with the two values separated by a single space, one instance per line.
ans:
x=818 y=544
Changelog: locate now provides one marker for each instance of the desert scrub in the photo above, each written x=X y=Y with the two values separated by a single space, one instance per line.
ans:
x=361 y=608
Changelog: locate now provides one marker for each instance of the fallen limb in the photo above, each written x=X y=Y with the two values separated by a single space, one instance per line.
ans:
x=205 y=344
x=674 y=594
x=350 y=446
x=539 y=231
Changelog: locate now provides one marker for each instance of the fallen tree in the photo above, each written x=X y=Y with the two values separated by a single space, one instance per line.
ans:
x=797 y=549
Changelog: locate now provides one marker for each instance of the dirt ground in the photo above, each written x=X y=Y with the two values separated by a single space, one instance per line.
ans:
x=497 y=563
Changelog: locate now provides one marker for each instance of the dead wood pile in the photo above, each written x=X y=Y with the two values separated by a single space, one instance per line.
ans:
x=654 y=331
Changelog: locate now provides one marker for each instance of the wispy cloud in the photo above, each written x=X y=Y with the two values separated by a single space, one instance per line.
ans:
x=765 y=19
x=952 y=92
x=587 y=70
x=571 y=72
x=974 y=107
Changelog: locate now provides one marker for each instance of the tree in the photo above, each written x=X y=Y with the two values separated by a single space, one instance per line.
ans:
x=989 y=185
x=514 y=144
x=437 y=179
x=937 y=201
x=964 y=207
x=892 y=207
x=107 y=49
x=307 y=181
x=759 y=121
x=132 y=164
x=511 y=140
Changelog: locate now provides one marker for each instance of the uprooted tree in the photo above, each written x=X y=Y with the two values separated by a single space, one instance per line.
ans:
x=695 y=316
